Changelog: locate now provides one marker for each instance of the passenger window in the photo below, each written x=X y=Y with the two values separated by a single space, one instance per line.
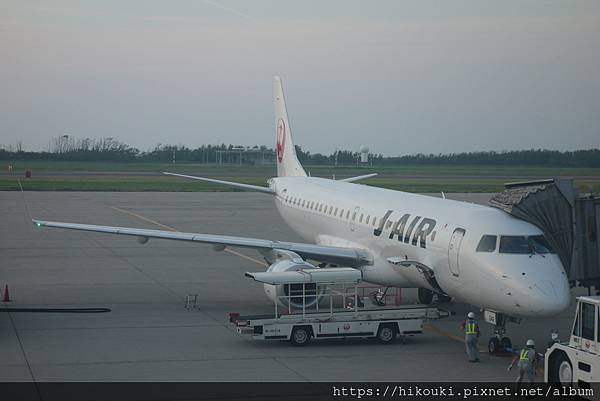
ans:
x=302 y=202
x=368 y=218
x=374 y=220
x=487 y=243
x=588 y=314
x=514 y=244
x=342 y=213
x=330 y=209
x=336 y=210
x=361 y=218
x=347 y=214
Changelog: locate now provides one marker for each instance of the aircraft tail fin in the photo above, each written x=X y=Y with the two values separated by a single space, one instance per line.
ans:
x=287 y=161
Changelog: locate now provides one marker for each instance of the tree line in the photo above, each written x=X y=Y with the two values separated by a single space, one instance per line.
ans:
x=67 y=148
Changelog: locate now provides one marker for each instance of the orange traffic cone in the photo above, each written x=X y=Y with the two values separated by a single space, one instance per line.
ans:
x=6 y=297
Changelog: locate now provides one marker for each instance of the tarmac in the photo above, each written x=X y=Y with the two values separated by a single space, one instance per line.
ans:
x=150 y=336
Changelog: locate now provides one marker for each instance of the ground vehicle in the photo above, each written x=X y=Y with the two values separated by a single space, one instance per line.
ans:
x=578 y=362
x=343 y=317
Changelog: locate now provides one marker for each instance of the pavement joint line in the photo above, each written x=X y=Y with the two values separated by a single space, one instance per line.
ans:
x=12 y=322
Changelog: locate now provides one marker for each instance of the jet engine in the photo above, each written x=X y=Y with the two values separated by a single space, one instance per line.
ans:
x=280 y=292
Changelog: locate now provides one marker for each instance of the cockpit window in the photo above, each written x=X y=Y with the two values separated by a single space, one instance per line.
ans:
x=540 y=244
x=487 y=243
x=514 y=244
x=525 y=245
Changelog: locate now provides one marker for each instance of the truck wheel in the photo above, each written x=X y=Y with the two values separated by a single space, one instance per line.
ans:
x=386 y=333
x=300 y=336
x=564 y=370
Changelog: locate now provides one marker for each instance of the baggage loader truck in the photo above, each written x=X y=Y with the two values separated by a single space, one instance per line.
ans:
x=297 y=319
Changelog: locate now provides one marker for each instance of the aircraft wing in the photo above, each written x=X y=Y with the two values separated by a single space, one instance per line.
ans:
x=231 y=184
x=357 y=178
x=350 y=257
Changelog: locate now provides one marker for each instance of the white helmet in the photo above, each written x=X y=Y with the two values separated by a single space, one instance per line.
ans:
x=530 y=343
x=471 y=315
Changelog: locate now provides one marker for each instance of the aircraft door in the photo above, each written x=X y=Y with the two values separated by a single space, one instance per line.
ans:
x=454 y=251
x=353 y=217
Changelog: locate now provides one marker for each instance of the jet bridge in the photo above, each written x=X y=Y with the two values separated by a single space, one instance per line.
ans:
x=569 y=220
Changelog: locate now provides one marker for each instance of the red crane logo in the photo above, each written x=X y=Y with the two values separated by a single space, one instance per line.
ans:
x=280 y=139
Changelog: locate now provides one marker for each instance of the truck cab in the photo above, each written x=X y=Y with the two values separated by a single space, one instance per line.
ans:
x=577 y=364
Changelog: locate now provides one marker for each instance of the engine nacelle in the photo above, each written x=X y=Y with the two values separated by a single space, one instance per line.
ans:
x=312 y=294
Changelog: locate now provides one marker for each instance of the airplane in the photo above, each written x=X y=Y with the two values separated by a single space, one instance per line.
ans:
x=475 y=254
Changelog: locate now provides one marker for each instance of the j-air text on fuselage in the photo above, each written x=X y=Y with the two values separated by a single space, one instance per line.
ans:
x=420 y=234
x=475 y=254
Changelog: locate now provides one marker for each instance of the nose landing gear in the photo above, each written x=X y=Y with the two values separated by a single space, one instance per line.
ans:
x=499 y=343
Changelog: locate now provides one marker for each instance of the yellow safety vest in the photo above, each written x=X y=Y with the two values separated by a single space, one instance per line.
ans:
x=524 y=355
x=471 y=328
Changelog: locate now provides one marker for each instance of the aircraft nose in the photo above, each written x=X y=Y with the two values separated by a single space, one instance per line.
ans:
x=552 y=297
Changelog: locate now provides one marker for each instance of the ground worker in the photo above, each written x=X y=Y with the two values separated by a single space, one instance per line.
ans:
x=471 y=329
x=527 y=362
x=553 y=338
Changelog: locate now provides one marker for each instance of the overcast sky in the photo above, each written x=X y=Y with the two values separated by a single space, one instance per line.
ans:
x=399 y=76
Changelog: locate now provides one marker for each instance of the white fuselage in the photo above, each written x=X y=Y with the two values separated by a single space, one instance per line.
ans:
x=440 y=234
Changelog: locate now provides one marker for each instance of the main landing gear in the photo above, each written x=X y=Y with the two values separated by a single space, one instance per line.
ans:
x=499 y=343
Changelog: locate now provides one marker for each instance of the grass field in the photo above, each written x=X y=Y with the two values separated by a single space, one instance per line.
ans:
x=95 y=176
